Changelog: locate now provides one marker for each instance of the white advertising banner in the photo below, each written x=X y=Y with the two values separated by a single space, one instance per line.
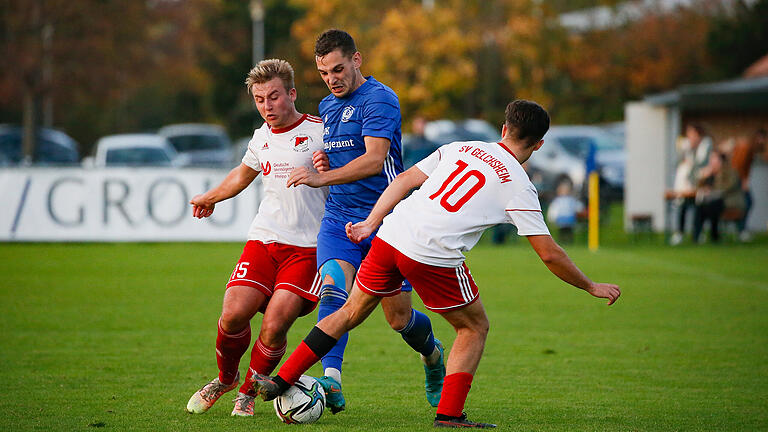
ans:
x=118 y=204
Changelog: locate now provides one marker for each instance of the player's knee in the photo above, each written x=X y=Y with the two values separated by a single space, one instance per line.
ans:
x=333 y=295
x=484 y=327
x=332 y=274
x=233 y=321
x=398 y=319
x=273 y=332
x=477 y=327
x=234 y=317
x=272 y=336
x=481 y=326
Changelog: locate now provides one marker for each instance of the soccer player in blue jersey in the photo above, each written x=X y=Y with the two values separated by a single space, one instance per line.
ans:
x=361 y=119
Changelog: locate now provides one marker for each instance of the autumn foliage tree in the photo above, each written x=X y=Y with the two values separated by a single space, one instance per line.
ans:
x=79 y=63
x=107 y=66
x=607 y=67
x=441 y=60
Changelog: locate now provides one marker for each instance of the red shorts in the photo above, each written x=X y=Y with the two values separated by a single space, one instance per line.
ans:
x=273 y=266
x=440 y=288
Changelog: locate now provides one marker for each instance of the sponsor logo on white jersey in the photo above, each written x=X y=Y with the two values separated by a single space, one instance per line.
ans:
x=265 y=146
x=347 y=114
x=266 y=169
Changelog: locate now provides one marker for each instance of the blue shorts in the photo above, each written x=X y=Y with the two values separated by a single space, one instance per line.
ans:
x=333 y=243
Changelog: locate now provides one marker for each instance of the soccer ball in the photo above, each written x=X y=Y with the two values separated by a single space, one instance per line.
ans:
x=303 y=402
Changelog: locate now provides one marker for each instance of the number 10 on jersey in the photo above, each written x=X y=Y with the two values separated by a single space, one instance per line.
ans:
x=473 y=175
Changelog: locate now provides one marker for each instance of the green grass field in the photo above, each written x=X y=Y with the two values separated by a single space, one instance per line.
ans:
x=118 y=336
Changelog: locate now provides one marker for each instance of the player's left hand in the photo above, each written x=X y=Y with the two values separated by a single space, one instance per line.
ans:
x=303 y=176
x=320 y=161
x=201 y=206
x=605 y=290
x=359 y=231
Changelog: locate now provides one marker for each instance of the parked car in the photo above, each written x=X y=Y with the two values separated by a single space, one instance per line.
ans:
x=440 y=132
x=134 y=150
x=564 y=156
x=206 y=145
x=617 y=129
x=53 y=147
x=447 y=131
x=241 y=146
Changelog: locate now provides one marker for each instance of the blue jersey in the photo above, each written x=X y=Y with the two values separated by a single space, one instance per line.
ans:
x=371 y=110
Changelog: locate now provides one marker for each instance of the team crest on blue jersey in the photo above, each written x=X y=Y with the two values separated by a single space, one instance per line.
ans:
x=347 y=114
x=301 y=143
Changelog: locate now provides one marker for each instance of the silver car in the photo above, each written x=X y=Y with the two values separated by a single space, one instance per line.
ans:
x=206 y=145
x=564 y=155
x=135 y=150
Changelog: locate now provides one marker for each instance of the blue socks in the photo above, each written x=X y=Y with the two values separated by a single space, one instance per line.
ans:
x=418 y=333
x=332 y=298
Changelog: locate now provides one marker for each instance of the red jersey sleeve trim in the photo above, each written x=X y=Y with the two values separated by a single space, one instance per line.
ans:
x=528 y=210
x=286 y=129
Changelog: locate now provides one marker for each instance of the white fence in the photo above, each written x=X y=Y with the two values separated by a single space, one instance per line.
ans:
x=118 y=204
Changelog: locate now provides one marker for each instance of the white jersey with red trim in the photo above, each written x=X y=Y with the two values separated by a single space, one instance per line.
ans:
x=472 y=186
x=286 y=215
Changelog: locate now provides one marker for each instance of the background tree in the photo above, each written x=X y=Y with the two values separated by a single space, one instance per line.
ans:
x=738 y=39
x=441 y=61
x=607 y=67
x=96 y=67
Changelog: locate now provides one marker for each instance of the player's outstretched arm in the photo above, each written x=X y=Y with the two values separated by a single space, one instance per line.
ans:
x=393 y=194
x=234 y=183
x=558 y=262
x=366 y=165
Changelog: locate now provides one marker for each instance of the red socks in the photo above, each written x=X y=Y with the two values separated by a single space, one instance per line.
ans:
x=229 y=349
x=264 y=359
x=298 y=362
x=455 y=389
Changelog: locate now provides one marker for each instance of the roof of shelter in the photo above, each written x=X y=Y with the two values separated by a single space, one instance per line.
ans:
x=739 y=94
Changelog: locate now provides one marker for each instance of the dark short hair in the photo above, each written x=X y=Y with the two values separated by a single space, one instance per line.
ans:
x=527 y=121
x=334 y=39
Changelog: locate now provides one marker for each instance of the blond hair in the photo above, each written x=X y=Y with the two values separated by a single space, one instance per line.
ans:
x=266 y=70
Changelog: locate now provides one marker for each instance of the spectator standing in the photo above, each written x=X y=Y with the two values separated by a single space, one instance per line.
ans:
x=741 y=160
x=718 y=181
x=683 y=190
x=564 y=211
x=695 y=150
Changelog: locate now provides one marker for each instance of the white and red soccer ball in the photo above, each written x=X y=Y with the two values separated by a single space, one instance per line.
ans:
x=303 y=402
